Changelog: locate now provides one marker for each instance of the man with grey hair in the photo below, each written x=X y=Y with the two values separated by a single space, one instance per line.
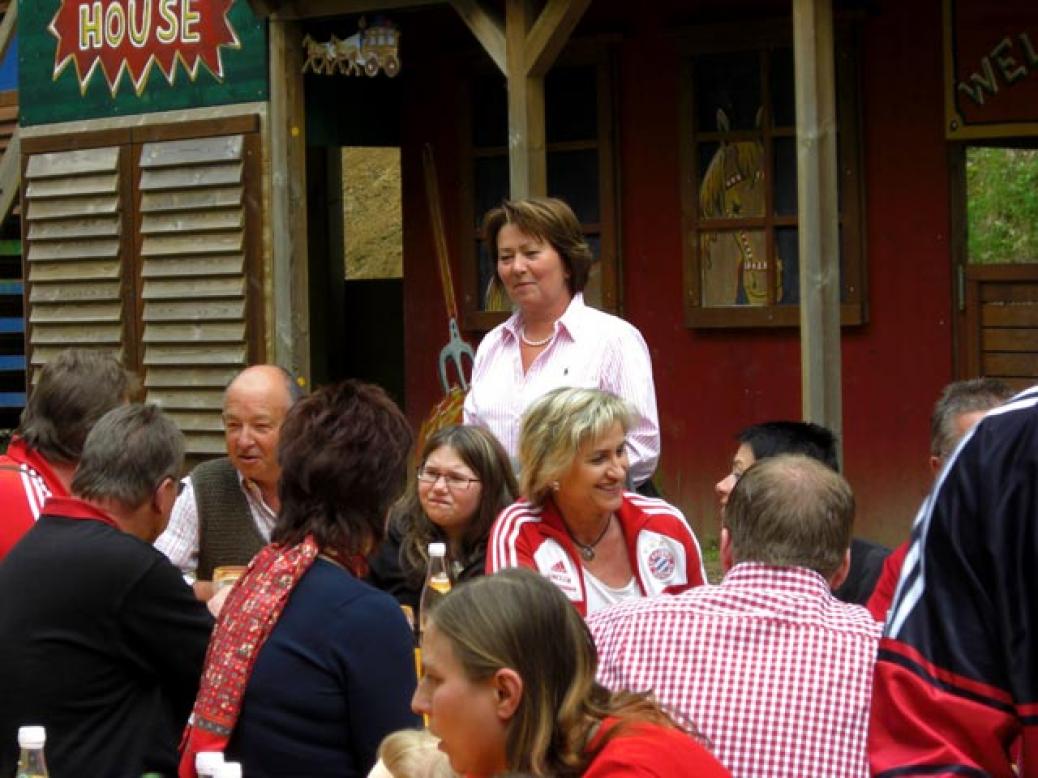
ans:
x=101 y=641
x=769 y=666
x=74 y=389
x=961 y=405
x=229 y=505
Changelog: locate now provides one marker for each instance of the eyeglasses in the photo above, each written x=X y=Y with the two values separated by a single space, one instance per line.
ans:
x=178 y=484
x=430 y=477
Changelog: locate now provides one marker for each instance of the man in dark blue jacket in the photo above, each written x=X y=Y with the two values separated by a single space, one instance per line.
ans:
x=101 y=641
x=956 y=685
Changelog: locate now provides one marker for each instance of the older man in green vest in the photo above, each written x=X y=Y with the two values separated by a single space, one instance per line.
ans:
x=228 y=506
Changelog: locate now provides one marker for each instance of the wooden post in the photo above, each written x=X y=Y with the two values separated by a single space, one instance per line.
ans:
x=8 y=28
x=524 y=48
x=10 y=175
x=527 y=158
x=288 y=200
x=818 y=220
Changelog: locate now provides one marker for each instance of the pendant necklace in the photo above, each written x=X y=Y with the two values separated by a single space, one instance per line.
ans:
x=534 y=343
x=587 y=550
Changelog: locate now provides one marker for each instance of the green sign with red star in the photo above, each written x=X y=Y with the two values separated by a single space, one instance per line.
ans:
x=81 y=59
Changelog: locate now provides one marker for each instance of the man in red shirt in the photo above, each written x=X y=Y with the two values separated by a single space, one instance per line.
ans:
x=961 y=405
x=74 y=390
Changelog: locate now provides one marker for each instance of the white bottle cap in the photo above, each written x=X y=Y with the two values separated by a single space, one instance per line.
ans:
x=229 y=770
x=206 y=762
x=437 y=549
x=31 y=737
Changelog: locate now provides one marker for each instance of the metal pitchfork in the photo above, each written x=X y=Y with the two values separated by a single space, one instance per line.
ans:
x=456 y=348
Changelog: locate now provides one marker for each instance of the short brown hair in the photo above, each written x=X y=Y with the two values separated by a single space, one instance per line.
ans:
x=791 y=511
x=343 y=453
x=75 y=389
x=548 y=219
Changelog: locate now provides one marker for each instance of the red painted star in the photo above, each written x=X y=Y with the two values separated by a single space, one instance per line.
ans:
x=129 y=36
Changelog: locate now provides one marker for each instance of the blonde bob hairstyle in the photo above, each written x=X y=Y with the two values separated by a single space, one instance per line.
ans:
x=556 y=427
x=518 y=620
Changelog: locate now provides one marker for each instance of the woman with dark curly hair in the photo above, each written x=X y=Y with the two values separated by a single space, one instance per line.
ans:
x=509 y=685
x=309 y=667
x=463 y=482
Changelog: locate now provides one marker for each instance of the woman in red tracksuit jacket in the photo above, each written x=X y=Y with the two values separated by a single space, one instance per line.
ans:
x=577 y=524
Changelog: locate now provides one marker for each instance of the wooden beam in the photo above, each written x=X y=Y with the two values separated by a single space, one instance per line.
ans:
x=818 y=219
x=550 y=32
x=486 y=25
x=297 y=10
x=288 y=199
x=7 y=28
x=263 y=9
x=524 y=50
x=527 y=157
x=10 y=175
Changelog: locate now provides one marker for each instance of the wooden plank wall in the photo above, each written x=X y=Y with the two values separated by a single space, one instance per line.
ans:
x=1002 y=313
x=8 y=118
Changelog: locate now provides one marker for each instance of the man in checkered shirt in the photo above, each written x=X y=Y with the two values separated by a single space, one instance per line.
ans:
x=769 y=665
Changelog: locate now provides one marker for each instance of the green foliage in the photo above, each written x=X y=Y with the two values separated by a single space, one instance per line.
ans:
x=1002 y=204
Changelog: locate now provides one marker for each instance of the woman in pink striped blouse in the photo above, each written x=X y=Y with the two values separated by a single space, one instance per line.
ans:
x=553 y=339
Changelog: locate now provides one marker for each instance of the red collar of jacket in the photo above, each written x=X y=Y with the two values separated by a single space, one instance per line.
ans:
x=74 y=508
x=631 y=522
x=19 y=452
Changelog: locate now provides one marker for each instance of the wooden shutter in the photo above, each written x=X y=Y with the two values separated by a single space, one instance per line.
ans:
x=74 y=215
x=193 y=279
x=1002 y=323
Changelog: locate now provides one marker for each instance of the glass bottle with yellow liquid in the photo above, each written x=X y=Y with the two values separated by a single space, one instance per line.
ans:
x=31 y=763
x=437 y=583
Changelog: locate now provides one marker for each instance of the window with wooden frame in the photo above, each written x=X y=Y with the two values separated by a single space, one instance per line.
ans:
x=739 y=178
x=578 y=107
x=146 y=242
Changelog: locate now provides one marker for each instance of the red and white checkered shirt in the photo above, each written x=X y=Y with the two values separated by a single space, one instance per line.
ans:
x=768 y=665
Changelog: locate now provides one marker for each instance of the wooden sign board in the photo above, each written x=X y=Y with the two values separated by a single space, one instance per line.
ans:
x=990 y=68
x=83 y=59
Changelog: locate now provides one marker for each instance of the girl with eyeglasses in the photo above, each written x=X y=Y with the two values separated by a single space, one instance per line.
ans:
x=463 y=482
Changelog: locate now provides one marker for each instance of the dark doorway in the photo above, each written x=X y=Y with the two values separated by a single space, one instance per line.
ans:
x=354 y=225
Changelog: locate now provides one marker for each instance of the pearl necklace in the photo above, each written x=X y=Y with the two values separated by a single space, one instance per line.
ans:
x=535 y=343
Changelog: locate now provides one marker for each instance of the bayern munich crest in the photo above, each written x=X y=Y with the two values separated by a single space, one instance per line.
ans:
x=662 y=564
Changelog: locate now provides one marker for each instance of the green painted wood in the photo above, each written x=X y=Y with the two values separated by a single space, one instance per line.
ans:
x=44 y=99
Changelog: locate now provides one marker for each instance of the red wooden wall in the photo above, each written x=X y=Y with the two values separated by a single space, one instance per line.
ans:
x=710 y=384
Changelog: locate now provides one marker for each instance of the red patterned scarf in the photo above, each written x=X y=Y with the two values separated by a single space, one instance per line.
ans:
x=249 y=615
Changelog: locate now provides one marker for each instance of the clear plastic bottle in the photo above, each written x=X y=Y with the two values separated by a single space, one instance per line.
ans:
x=228 y=770
x=31 y=763
x=437 y=583
x=206 y=763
